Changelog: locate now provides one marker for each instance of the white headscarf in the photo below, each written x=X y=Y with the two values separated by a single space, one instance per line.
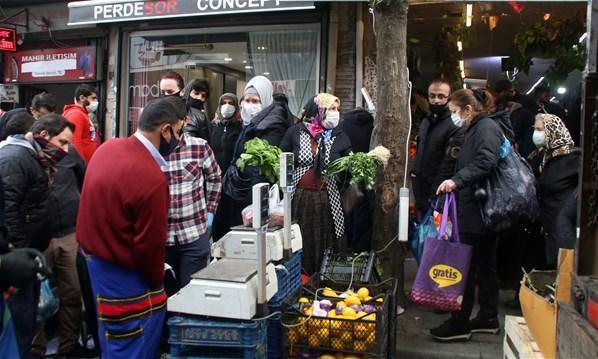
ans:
x=264 y=89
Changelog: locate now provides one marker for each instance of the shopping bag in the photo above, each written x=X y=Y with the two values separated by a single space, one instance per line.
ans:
x=510 y=192
x=48 y=302
x=442 y=275
x=423 y=231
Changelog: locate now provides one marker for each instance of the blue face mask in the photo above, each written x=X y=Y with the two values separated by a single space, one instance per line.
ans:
x=457 y=120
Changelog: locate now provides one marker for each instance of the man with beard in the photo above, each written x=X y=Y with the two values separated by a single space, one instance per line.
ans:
x=85 y=137
x=438 y=144
x=522 y=119
x=27 y=165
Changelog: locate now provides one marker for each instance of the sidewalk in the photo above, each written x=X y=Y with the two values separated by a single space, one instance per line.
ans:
x=413 y=340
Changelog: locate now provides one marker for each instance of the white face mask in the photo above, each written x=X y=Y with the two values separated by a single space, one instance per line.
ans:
x=92 y=107
x=331 y=120
x=539 y=138
x=227 y=110
x=457 y=120
x=249 y=111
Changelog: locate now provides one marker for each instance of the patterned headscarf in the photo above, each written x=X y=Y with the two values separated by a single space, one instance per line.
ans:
x=558 y=138
x=315 y=111
x=48 y=155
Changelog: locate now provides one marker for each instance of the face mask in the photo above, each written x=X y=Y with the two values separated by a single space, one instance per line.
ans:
x=166 y=147
x=331 y=120
x=457 y=120
x=539 y=138
x=227 y=110
x=437 y=109
x=196 y=103
x=92 y=107
x=249 y=111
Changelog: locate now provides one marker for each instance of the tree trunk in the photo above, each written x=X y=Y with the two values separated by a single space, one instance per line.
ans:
x=392 y=124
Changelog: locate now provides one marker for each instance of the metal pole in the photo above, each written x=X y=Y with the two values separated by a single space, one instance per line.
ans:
x=261 y=267
x=286 y=200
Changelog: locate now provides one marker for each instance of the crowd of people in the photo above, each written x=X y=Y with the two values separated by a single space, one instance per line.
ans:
x=459 y=145
x=105 y=218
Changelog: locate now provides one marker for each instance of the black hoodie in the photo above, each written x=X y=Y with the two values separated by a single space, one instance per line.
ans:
x=358 y=126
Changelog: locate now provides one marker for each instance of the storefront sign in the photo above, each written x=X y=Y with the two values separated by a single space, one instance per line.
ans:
x=9 y=93
x=98 y=11
x=8 y=39
x=68 y=64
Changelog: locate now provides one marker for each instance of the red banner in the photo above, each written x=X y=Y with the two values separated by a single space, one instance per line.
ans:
x=50 y=65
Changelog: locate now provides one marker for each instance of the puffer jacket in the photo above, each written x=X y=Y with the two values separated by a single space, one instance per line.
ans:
x=25 y=195
x=224 y=136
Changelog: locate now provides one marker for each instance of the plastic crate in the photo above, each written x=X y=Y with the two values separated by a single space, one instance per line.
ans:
x=318 y=335
x=196 y=337
x=275 y=334
x=289 y=278
x=343 y=267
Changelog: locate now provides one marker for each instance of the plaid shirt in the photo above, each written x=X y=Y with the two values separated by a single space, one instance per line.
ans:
x=194 y=181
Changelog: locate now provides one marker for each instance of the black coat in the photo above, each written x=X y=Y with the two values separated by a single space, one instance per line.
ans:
x=25 y=197
x=438 y=146
x=522 y=121
x=340 y=147
x=197 y=124
x=224 y=138
x=556 y=183
x=65 y=192
x=270 y=124
x=478 y=157
x=3 y=240
x=358 y=125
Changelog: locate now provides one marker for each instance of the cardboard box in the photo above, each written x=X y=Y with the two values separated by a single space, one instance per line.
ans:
x=539 y=313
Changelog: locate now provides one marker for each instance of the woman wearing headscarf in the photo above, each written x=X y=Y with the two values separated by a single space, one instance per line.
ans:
x=226 y=128
x=263 y=118
x=316 y=142
x=557 y=167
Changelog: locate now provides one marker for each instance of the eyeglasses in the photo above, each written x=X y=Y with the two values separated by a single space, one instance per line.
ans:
x=439 y=96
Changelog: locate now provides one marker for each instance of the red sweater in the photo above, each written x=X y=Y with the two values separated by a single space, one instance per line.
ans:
x=84 y=138
x=123 y=212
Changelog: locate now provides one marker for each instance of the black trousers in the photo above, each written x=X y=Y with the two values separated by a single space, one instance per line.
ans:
x=90 y=316
x=23 y=307
x=482 y=273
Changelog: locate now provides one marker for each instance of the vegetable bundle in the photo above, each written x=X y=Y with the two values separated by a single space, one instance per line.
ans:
x=263 y=155
x=362 y=166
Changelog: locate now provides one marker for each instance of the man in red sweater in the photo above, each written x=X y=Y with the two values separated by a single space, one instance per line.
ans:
x=121 y=229
x=85 y=136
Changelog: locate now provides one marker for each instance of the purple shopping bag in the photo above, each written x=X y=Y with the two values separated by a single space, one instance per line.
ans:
x=442 y=275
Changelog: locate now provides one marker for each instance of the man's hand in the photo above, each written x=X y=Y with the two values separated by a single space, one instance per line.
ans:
x=21 y=266
x=446 y=187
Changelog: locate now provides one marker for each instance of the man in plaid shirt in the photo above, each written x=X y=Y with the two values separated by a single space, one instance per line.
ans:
x=194 y=180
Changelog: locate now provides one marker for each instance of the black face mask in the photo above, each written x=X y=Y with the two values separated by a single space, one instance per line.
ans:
x=195 y=103
x=437 y=109
x=166 y=147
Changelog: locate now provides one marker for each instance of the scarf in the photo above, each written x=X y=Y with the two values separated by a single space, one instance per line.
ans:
x=219 y=119
x=264 y=89
x=48 y=155
x=558 y=138
x=315 y=111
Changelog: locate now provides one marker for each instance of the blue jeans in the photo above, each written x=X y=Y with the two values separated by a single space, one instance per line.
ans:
x=186 y=259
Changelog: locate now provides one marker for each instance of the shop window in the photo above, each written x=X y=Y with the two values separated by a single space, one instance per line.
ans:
x=288 y=56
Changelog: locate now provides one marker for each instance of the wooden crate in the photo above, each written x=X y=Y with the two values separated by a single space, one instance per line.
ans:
x=576 y=338
x=519 y=343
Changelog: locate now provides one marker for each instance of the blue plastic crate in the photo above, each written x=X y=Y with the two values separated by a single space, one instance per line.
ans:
x=274 y=334
x=289 y=279
x=197 y=331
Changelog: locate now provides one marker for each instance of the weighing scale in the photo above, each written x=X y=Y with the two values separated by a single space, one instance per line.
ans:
x=241 y=243
x=239 y=288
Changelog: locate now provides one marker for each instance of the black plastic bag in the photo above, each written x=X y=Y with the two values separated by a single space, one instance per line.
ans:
x=510 y=194
x=235 y=185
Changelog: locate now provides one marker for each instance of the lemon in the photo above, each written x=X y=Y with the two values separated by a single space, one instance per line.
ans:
x=380 y=300
x=341 y=304
x=352 y=300
x=336 y=344
x=367 y=299
x=303 y=300
x=348 y=312
x=363 y=293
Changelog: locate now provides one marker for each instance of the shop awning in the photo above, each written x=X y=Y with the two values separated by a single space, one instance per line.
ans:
x=105 y=11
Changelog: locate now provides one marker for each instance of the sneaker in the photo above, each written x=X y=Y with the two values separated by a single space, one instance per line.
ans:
x=489 y=326
x=451 y=331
